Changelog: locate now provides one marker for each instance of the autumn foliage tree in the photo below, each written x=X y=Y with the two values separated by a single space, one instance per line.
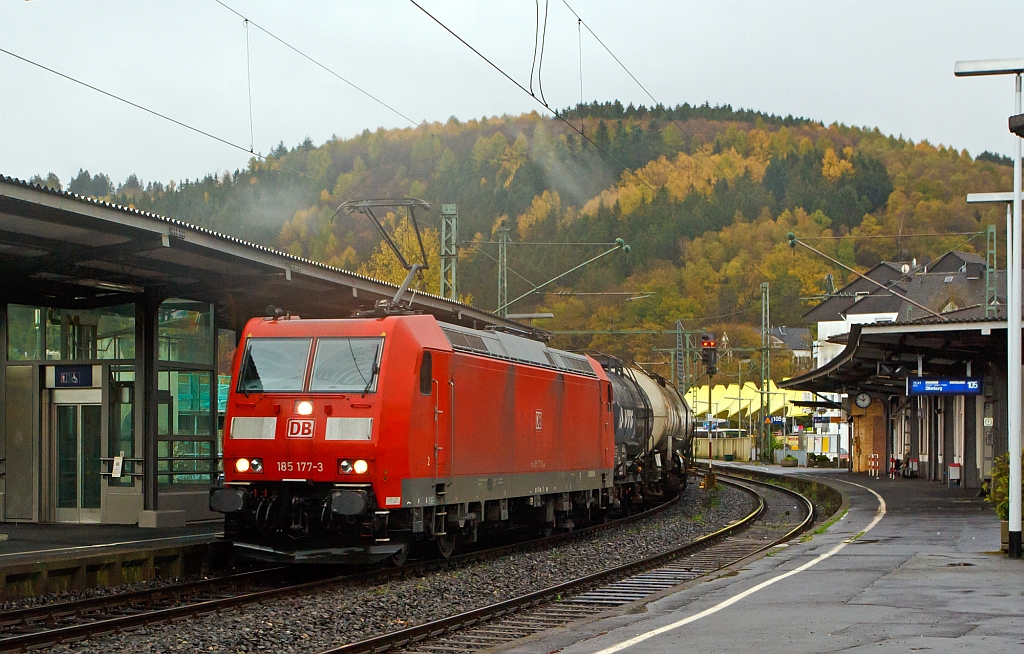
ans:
x=705 y=202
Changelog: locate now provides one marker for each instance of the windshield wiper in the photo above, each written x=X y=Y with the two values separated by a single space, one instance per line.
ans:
x=373 y=372
x=243 y=382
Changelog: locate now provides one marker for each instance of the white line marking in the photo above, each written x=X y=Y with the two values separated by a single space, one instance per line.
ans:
x=764 y=584
x=166 y=539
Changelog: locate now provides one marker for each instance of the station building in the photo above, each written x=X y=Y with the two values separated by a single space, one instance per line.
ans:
x=932 y=383
x=118 y=329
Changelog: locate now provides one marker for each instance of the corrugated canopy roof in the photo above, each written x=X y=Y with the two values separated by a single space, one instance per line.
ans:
x=878 y=358
x=62 y=249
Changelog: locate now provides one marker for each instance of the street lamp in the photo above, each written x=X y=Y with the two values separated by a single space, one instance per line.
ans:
x=1013 y=67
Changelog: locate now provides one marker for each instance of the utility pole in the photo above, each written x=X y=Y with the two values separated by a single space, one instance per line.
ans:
x=503 y=239
x=709 y=356
x=766 y=447
x=449 y=251
x=991 y=294
x=682 y=356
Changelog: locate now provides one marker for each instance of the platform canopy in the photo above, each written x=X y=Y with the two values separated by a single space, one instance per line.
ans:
x=62 y=249
x=879 y=357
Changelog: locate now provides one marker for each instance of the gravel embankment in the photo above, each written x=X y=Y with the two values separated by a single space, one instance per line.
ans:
x=315 y=623
x=94 y=591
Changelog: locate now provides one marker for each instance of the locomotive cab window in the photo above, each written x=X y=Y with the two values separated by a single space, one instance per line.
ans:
x=346 y=365
x=274 y=365
x=426 y=373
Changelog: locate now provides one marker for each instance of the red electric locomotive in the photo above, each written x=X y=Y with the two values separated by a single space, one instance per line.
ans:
x=348 y=440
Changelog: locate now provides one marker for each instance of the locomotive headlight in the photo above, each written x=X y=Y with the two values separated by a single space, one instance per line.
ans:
x=304 y=408
x=344 y=466
x=242 y=465
x=360 y=467
x=255 y=465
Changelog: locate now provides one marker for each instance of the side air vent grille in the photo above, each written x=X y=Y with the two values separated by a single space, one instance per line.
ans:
x=465 y=341
x=512 y=348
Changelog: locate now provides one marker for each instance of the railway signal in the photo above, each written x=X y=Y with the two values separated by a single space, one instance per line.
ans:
x=709 y=352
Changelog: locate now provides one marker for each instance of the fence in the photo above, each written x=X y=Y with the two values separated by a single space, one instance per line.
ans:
x=738 y=449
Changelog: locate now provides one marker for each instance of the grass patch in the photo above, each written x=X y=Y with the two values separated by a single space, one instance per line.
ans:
x=823 y=528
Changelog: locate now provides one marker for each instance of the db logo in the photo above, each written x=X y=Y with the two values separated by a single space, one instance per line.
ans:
x=300 y=428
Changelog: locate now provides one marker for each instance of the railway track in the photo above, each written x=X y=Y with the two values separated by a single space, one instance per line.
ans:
x=780 y=514
x=50 y=624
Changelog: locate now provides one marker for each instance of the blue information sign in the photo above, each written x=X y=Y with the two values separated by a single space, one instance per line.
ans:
x=72 y=376
x=944 y=386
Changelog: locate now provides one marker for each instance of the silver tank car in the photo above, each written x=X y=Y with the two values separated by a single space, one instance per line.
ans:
x=653 y=429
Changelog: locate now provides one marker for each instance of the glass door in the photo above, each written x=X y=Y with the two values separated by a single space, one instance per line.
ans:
x=77 y=434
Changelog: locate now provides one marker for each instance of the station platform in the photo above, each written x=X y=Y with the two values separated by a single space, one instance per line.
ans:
x=911 y=566
x=36 y=559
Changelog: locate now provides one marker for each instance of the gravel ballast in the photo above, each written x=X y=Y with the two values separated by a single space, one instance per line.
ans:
x=316 y=622
x=93 y=591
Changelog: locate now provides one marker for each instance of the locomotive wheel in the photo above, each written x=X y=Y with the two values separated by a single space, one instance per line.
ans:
x=445 y=545
x=398 y=558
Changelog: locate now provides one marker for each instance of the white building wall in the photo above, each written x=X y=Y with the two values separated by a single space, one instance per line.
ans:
x=827 y=351
x=826 y=329
x=838 y=433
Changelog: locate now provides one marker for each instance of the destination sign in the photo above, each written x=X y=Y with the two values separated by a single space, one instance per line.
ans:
x=944 y=386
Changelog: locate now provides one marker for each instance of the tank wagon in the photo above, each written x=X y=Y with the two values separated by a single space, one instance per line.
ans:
x=350 y=440
x=653 y=432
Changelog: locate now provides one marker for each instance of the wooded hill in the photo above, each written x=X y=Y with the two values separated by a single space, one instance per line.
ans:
x=705 y=197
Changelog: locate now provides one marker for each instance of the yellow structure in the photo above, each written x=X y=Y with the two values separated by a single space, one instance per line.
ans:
x=729 y=401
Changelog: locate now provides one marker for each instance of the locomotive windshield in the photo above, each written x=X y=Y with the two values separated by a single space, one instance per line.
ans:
x=346 y=365
x=274 y=365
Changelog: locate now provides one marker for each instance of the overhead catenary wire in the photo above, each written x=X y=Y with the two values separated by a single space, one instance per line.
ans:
x=326 y=68
x=150 y=111
x=579 y=40
x=795 y=241
x=539 y=243
x=536 y=40
x=781 y=298
x=889 y=236
x=772 y=302
x=248 y=81
x=540 y=64
x=580 y=21
x=131 y=104
x=522 y=88
x=473 y=245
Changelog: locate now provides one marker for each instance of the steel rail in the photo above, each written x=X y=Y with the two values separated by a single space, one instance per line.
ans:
x=417 y=634
x=11 y=620
x=43 y=617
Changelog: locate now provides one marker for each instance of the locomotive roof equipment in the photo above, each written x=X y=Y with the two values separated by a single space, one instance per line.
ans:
x=366 y=208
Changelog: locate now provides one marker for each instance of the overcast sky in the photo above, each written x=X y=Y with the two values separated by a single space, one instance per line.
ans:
x=887 y=64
